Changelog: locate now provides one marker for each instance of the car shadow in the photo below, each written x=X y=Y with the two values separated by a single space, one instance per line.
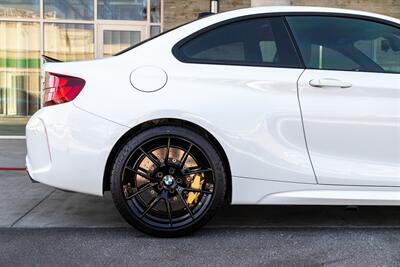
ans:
x=307 y=216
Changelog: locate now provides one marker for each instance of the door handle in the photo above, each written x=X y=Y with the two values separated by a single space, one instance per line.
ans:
x=329 y=82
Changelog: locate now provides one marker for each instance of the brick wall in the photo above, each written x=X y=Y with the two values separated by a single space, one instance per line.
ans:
x=226 y=5
x=177 y=12
x=386 y=7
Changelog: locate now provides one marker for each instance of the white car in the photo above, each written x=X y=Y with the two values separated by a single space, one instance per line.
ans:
x=270 y=105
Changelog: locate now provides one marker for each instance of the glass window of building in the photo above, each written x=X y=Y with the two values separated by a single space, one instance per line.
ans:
x=115 y=41
x=20 y=9
x=69 y=42
x=19 y=74
x=155 y=30
x=122 y=9
x=69 y=9
x=67 y=30
x=155 y=11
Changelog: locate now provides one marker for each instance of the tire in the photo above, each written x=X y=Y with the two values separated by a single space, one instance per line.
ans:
x=168 y=194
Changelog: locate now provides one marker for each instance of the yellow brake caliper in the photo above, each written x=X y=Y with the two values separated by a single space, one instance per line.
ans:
x=197 y=183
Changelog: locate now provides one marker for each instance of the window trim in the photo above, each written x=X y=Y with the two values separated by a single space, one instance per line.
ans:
x=176 y=50
x=179 y=56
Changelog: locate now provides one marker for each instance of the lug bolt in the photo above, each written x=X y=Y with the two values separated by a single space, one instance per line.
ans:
x=160 y=174
x=171 y=170
x=152 y=192
x=174 y=160
x=179 y=180
x=175 y=198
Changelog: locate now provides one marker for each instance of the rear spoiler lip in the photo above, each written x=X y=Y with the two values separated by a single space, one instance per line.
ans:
x=50 y=59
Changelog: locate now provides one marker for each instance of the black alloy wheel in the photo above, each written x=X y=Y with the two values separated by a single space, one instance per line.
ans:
x=168 y=181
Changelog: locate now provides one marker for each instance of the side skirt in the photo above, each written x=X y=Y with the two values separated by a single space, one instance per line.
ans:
x=266 y=192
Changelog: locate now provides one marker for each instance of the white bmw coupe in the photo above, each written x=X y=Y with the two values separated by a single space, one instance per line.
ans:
x=271 y=105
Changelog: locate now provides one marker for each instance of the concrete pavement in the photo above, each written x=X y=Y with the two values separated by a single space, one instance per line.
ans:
x=12 y=153
x=13 y=126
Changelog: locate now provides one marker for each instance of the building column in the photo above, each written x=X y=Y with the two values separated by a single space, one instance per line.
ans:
x=270 y=2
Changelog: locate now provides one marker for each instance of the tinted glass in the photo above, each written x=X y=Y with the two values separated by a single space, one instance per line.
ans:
x=19 y=8
x=69 y=42
x=122 y=9
x=347 y=43
x=68 y=9
x=258 y=41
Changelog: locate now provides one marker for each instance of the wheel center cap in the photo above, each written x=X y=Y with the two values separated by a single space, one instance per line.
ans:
x=168 y=180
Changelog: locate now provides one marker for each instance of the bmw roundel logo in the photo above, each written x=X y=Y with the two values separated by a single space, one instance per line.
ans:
x=168 y=180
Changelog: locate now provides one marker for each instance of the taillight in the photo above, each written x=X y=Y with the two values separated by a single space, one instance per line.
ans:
x=60 y=88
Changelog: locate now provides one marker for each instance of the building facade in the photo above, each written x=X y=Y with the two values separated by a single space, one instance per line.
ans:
x=86 y=29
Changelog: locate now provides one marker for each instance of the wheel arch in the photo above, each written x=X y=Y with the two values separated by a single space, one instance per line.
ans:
x=172 y=122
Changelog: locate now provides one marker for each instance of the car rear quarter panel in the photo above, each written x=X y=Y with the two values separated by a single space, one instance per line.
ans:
x=257 y=122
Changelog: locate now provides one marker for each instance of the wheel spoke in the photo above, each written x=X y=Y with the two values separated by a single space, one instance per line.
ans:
x=168 y=206
x=141 y=190
x=185 y=155
x=196 y=171
x=167 y=152
x=186 y=205
x=151 y=157
x=197 y=191
x=152 y=204
x=140 y=172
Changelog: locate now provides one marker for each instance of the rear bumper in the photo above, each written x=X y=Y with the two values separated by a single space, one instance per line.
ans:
x=30 y=178
x=68 y=148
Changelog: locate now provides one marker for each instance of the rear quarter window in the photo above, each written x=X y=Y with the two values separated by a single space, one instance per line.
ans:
x=256 y=41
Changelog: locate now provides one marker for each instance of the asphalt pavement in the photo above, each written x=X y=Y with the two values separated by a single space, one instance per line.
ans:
x=210 y=247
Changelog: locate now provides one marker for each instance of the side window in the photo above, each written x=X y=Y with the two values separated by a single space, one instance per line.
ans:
x=350 y=44
x=382 y=52
x=259 y=41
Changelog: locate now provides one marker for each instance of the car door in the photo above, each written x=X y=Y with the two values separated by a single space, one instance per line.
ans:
x=350 y=98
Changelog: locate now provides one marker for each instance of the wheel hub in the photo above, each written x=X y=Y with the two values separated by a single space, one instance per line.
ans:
x=168 y=180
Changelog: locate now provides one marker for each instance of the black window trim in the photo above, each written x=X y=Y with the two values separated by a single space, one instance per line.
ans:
x=179 y=55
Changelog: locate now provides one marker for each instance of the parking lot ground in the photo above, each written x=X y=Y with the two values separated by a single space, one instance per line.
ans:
x=40 y=226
